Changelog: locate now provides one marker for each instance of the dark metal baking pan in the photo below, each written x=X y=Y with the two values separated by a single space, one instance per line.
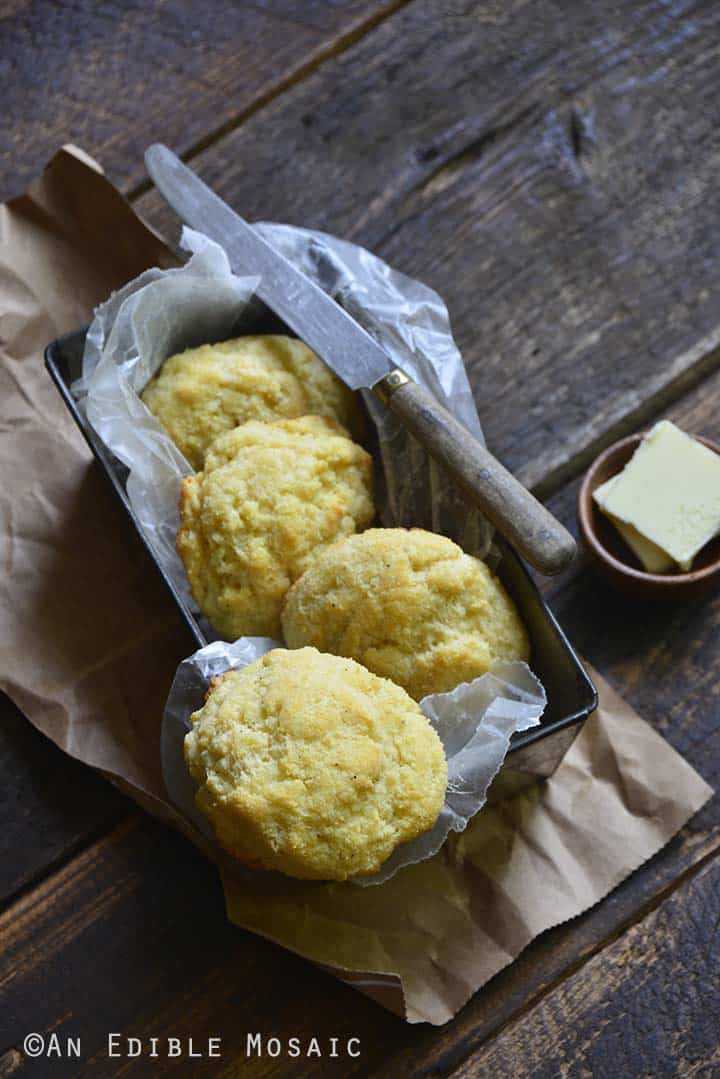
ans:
x=571 y=695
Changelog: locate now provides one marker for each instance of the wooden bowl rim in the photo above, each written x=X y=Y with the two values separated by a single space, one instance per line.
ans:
x=585 y=509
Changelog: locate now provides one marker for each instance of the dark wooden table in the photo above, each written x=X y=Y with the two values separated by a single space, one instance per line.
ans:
x=554 y=171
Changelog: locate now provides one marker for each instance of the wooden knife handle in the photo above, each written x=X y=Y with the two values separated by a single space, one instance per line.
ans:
x=524 y=521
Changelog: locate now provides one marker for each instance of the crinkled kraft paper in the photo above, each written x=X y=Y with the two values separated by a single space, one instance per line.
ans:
x=89 y=644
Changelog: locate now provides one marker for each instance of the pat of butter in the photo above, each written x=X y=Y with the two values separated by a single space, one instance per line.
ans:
x=669 y=493
x=652 y=557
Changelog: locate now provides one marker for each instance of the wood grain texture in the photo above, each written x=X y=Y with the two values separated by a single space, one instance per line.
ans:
x=662 y=656
x=116 y=76
x=647 y=1006
x=549 y=168
x=132 y=936
x=422 y=141
x=664 y=661
x=48 y=803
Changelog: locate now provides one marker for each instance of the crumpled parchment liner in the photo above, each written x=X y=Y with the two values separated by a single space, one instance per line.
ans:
x=475 y=722
x=159 y=313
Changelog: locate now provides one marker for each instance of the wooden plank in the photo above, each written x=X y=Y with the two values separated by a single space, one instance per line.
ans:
x=132 y=936
x=49 y=803
x=535 y=70
x=52 y=805
x=662 y=656
x=681 y=698
x=550 y=169
x=131 y=879
x=116 y=76
x=647 y=1006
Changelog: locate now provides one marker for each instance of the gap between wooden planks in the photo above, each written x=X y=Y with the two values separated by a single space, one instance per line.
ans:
x=118 y=77
x=626 y=1012
x=129 y=63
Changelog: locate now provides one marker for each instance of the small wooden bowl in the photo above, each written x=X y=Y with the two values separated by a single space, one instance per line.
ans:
x=615 y=559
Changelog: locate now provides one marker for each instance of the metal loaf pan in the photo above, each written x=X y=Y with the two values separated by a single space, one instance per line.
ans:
x=571 y=695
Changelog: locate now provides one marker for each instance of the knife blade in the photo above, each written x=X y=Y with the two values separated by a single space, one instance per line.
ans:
x=361 y=362
x=322 y=324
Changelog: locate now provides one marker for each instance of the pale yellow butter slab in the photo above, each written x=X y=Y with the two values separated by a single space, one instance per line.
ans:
x=653 y=558
x=669 y=492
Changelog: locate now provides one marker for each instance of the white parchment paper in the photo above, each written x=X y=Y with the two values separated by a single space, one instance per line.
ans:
x=162 y=312
x=474 y=722
x=155 y=315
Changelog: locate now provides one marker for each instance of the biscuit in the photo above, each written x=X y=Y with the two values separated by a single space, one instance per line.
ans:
x=311 y=765
x=201 y=393
x=270 y=497
x=408 y=605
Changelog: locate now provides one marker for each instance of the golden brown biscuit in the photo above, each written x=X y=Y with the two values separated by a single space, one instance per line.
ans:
x=311 y=765
x=201 y=393
x=408 y=605
x=271 y=496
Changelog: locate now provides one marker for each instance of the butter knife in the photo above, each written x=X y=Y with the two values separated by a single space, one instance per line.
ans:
x=361 y=363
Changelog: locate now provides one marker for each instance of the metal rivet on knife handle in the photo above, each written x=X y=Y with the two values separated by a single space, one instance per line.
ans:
x=386 y=387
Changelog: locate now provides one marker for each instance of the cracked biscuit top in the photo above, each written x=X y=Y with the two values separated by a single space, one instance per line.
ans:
x=309 y=764
x=409 y=605
x=271 y=497
x=199 y=394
